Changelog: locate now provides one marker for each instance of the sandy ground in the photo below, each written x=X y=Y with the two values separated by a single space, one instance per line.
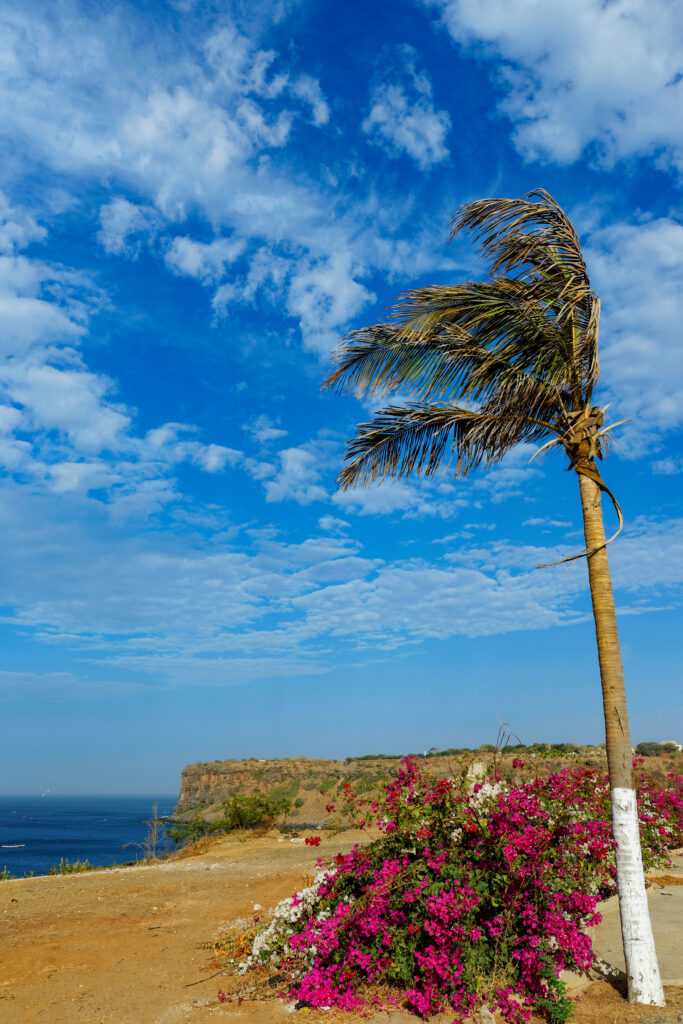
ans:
x=127 y=946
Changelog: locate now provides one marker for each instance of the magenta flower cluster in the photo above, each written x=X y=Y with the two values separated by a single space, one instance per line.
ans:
x=474 y=894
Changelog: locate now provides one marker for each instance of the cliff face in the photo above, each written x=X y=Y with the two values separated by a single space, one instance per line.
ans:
x=203 y=785
x=315 y=784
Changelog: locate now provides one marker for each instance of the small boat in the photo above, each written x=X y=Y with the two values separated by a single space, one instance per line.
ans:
x=12 y=846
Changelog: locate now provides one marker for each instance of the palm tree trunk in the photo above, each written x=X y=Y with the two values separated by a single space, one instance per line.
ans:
x=642 y=969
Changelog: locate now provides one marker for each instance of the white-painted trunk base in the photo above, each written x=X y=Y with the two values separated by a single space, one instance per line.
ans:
x=642 y=969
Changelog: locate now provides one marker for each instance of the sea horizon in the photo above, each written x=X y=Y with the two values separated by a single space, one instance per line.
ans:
x=38 y=831
x=48 y=794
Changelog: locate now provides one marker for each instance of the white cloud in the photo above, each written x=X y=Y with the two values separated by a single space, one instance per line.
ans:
x=402 y=118
x=41 y=304
x=17 y=227
x=308 y=89
x=298 y=476
x=10 y=418
x=646 y=540
x=263 y=429
x=307 y=472
x=324 y=295
x=204 y=261
x=510 y=478
x=637 y=270
x=230 y=53
x=27 y=321
x=214 y=457
x=667 y=467
x=188 y=610
x=547 y=523
x=141 y=497
x=73 y=402
x=406 y=602
x=582 y=75
x=59 y=686
x=124 y=226
x=412 y=498
x=167 y=443
x=333 y=524
x=80 y=476
x=265 y=268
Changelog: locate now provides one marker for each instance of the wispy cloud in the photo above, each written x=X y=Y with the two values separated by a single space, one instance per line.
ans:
x=402 y=119
x=126 y=226
x=205 y=611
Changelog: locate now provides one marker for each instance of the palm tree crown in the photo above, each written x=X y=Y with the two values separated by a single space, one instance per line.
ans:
x=489 y=364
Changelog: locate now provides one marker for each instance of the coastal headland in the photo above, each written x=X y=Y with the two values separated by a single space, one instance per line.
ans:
x=312 y=784
x=134 y=945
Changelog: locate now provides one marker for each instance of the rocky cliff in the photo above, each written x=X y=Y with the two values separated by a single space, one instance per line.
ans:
x=203 y=785
x=313 y=784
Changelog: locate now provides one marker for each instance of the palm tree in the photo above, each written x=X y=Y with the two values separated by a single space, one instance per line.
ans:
x=490 y=365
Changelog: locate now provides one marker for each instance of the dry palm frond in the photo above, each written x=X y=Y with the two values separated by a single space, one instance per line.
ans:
x=419 y=437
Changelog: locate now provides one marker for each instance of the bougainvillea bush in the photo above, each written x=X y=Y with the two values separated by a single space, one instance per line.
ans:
x=474 y=894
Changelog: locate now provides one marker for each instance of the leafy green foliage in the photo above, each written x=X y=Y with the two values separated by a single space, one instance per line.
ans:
x=652 y=749
x=260 y=810
x=71 y=867
x=256 y=811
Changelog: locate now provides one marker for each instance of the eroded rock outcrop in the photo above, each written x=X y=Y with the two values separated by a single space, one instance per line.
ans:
x=207 y=784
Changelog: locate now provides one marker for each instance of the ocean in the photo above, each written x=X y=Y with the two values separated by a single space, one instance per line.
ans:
x=37 y=832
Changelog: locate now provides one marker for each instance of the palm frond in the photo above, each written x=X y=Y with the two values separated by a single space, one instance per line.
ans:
x=534 y=239
x=446 y=364
x=378 y=359
x=499 y=224
x=421 y=437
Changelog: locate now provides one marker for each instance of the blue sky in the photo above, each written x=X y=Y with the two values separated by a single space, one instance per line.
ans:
x=197 y=200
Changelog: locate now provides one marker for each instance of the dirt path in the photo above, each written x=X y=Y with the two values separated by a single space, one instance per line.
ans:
x=124 y=946
x=119 y=946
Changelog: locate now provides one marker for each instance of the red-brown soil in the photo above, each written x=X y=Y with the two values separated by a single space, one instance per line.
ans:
x=128 y=946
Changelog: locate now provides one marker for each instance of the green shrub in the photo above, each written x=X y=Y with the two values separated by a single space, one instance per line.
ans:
x=368 y=783
x=256 y=811
x=70 y=867
x=189 y=831
x=374 y=757
x=656 y=749
x=4 y=875
x=286 y=790
x=260 y=810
